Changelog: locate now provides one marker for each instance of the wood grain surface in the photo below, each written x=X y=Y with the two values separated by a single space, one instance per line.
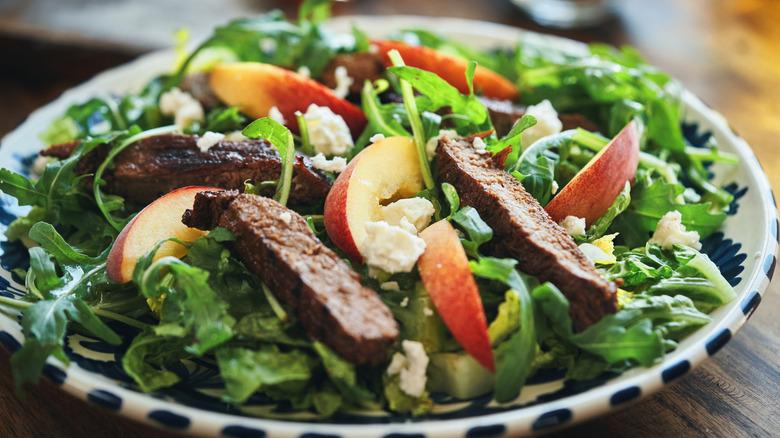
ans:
x=726 y=52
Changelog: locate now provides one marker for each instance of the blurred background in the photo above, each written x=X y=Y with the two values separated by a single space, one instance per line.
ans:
x=721 y=49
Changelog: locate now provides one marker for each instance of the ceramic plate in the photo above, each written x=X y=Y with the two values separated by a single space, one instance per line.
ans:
x=744 y=249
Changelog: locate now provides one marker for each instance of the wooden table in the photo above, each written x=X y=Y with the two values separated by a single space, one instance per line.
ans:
x=726 y=52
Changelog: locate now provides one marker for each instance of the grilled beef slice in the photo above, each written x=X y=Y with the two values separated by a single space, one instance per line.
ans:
x=325 y=292
x=156 y=165
x=524 y=231
x=361 y=67
x=504 y=114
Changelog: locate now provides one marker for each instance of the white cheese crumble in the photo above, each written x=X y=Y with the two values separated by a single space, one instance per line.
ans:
x=433 y=142
x=304 y=71
x=390 y=285
x=235 y=136
x=268 y=45
x=428 y=311
x=208 y=140
x=376 y=137
x=276 y=115
x=411 y=366
x=328 y=132
x=405 y=302
x=416 y=211
x=286 y=217
x=343 y=81
x=336 y=165
x=39 y=164
x=670 y=231
x=554 y=187
x=184 y=108
x=574 y=225
x=391 y=248
x=547 y=123
x=479 y=144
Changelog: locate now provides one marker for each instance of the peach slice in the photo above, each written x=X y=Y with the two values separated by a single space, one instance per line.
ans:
x=254 y=88
x=449 y=68
x=444 y=269
x=381 y=173
x=157 y=221
x=594 y=188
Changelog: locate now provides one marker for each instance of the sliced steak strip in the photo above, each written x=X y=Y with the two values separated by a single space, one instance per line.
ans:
x=156 y=165
x=504 y=114
x=524 y=231
x=325 y=292
x=361 y=67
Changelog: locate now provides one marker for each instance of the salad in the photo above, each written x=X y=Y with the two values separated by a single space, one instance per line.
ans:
x=386 y=136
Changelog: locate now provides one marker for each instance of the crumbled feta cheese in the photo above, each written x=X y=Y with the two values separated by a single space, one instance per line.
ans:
x=286 y=217
x=433 y=142
x=304 y=71
x=184 y=108
x=417 y=212
x=670 y=231
x=376 y=137
x=547 y=123
x=411 y=366
x=235 y=136
x=428 y=311
x=39 y=164
x=479 y=144
x=343 y=81
x=405 y=302
x=276 y=115
x=328 y=132
x=268 y=45
x=208 y=140
x=390 y=285
x=391 y=248
x=554 y=188
x=336 y=165
x=574 y=225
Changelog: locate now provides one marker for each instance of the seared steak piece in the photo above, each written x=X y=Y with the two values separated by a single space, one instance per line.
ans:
x=277 y=244
x=524 y=231
x=361 y=67
x=156 y=165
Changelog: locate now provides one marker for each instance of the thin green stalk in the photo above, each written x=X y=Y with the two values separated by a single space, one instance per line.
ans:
x=121 y=318
x=414 y=119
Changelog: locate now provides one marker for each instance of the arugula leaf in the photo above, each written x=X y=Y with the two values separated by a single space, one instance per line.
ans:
x=282 y=139
x=147 y=356
x=246 y=371
x=650 y=203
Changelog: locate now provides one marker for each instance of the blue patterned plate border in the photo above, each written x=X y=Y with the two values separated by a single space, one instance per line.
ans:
x=745 y=250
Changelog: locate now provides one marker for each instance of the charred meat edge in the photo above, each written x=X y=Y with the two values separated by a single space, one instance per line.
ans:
x=301 y=271
x=524 y=231
x=154 y=166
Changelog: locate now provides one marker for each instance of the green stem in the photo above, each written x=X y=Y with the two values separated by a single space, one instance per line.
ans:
x=121 y=318
x=16 y=304
x=414 y=119
x=110 y=158
x=306 y=146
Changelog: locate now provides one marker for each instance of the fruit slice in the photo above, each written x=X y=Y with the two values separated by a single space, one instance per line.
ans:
x=159 y=220
x=444 y=269
x=449 y=68
x=254 y=88
x=594 y=188
x=384 y=172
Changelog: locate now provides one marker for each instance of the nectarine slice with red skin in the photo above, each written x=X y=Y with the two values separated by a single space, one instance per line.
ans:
x=254 y=88
x=445 y=272
x=157 y=221
x=594 y=188
x=449 y=68
x=385 y=171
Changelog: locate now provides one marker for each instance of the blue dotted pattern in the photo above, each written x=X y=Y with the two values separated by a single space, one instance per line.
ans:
x=242 y=432
x=169 y=419
x=625 y=396
x=486 y=431
x=718 y=341
x=105 y=399
x=552 y=419
x=675 y=371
